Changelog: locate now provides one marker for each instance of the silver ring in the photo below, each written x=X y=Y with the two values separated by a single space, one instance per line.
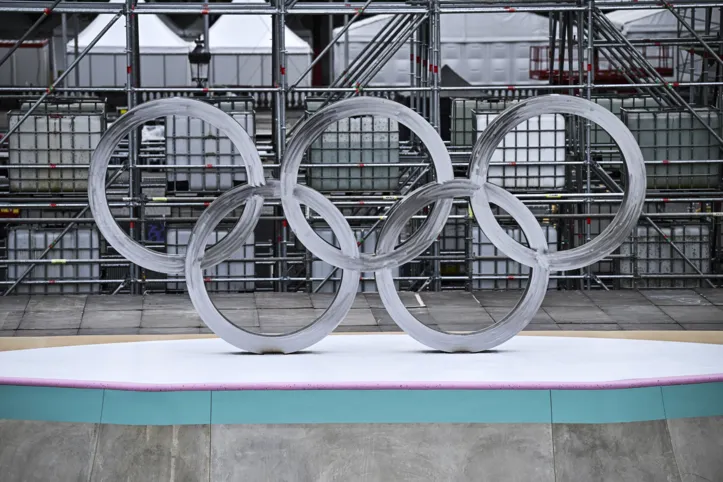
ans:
x=312 y=129
x=261 y=343
x=630 y=208
x=493 y=335
x=387 y=255
x=124 y=244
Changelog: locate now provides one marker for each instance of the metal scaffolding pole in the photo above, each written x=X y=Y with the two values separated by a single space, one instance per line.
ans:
x=419 y=24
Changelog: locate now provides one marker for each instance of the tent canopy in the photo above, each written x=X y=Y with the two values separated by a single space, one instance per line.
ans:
x=154 y=36
x=250 y=34
x=460 y=28
x=658 y=21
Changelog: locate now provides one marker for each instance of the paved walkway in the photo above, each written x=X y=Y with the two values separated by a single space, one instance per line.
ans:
x=282 y=312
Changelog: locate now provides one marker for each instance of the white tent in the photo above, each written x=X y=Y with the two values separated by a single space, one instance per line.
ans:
x=483 y=49
x=657 y=23
x=241 y=47
x=660 y=23
x=164 y=55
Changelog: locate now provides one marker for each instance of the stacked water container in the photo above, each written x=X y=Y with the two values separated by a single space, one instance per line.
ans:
x=540 y=139
x=53 y=139
x=192 y=142
x=360 y=142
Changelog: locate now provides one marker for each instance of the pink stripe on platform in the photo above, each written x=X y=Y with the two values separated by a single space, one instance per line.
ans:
x=178 y=387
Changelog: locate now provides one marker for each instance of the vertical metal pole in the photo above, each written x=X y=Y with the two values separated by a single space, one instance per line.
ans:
x=346 y=44
x=705 y=68
x=64 y=40
x=412 y=79
x=132 y=80
x=278 y=76
x=207 y=43
x=691 y=57
x=588 y=133
x=434 y=106
x=76 y=50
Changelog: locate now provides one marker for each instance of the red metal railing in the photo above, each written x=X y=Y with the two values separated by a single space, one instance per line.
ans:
x=660 y=57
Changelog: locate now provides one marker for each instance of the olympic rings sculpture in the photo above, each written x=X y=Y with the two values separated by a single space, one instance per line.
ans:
x=388 y=255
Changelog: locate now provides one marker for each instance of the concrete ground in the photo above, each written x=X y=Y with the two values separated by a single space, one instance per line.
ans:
x=681 y=450
x=282 y=312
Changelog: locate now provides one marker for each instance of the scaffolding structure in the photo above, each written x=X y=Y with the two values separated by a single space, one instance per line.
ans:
x=679 y=242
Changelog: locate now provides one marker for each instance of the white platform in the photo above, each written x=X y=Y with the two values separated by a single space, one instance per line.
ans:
x=367 y=361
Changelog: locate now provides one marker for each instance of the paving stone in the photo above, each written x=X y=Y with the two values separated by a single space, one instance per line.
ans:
x=286 y=318
x=10 y=320
x=566 y=299
x=242 y=318
x=64 y=332
x=42 y=451
x=590 y=327
x=152 y=453
x=268 y=300
x=462 y=327
x=713 y=295
x=359 y=318
x=698 y=445
x=540 y=317
x=111 y=319
x=114 y=302
x=650 y=326
x=382 y=452
x=7 y=333
x=620 y=452
x=169 y=331
x=576 y=314
x=50 y=320
x=357 y=329
x=392 y=328
x=541 y=327
x=57 y=303
x=108 y=331
x=703 y=326
x=501 y=299
x=694 y=314
x=167 y=302
x=235 y=301
x=637 y=314
x=170 y=319
x=408 y=298
x=604 y=298
x=472 y=316
x=14 y=302
x=382 y=317
x=449 y=298
x=323 y=300
x=675 y=297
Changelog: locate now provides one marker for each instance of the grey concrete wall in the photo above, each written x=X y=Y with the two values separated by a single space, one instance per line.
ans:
x=685 y=450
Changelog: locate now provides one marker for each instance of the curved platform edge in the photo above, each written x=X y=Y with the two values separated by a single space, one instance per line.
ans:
x=427 y=385
x=398 y=406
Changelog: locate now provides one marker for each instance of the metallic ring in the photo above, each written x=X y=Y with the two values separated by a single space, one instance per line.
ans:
x=260 y=343
x=388 y=255
x=630 y=208
x=124 y=244
x=493 y=335
x=312 y=129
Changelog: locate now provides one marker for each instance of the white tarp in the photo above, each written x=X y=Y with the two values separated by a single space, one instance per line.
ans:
x=660 y=23
x=164 y=55
x=153 y=36
x=244 y=34
x=241 y=47
x=652 y=24
x=486 y=48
